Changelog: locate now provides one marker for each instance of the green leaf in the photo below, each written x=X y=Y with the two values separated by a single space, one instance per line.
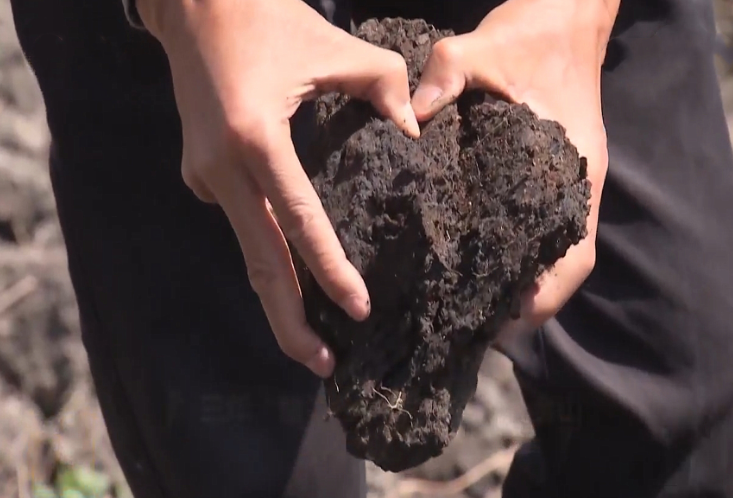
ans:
x=92 y=483
x=88 y=482
x=41 y=490
x=65 y=479
x=72 y=493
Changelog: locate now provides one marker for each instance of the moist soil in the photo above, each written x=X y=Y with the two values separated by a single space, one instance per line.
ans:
x=447 y=231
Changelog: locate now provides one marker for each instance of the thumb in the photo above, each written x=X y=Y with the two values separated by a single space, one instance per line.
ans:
x=444 y=77
x=375 y=74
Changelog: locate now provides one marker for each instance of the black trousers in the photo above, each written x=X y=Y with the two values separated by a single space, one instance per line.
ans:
x=630 y=388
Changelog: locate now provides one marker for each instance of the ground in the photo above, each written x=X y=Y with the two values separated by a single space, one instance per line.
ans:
x=49 y=418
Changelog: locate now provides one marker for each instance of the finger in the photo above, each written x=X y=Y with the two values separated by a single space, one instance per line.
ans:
x=378 y=75
x=193 y=182
x=271 y=272
x=443 y=79
x=303 y=220
x=200 y=189
x=553 y=289
x=558 y=284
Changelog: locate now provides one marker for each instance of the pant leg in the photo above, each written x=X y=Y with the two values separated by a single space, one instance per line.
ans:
x=584 y=449
x=197 y=397
x=631 y=387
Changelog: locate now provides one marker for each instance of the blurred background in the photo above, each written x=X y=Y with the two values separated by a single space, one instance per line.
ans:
x=53 y=443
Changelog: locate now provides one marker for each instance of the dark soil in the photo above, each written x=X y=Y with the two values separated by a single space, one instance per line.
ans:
x=447 y=231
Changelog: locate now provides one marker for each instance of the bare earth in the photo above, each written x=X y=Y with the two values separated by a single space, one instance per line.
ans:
x=48 y=411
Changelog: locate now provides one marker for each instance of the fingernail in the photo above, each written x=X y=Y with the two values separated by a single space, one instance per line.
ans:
x=410 y=121
x=358 y=308
x=322 y=363
x=425 y=97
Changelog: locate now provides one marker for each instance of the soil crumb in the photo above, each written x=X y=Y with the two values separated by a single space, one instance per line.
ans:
x=447 y=231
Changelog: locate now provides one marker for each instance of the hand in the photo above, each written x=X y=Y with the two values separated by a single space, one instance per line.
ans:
x=547 y=54
x=240 y=71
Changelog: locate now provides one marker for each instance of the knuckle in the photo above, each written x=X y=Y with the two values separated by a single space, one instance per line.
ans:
x=263 y=278
x=194 y=182
x=447 y=50
x=246 y=127
x=328 y=279
x=326 y=262
x=202 y=194
x=300 y=224
x=290 y=349
x=395 y=64
x=189 y=175
x=198 y=163
x=390 y=92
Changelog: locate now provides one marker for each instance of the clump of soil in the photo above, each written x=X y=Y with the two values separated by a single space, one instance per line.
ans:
x=447 y=231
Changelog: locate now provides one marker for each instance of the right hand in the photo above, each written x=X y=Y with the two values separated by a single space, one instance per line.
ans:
x=240 y=70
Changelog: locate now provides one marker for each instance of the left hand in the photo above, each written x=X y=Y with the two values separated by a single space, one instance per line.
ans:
x=547 y=54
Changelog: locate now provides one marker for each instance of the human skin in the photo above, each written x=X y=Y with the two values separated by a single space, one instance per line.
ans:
x=238 y=81
x=547 y=54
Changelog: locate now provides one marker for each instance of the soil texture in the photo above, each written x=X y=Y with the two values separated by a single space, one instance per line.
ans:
x=447 y=231
x=32 y=444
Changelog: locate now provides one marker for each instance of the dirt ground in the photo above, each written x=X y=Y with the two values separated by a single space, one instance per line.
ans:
x=49 y=418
